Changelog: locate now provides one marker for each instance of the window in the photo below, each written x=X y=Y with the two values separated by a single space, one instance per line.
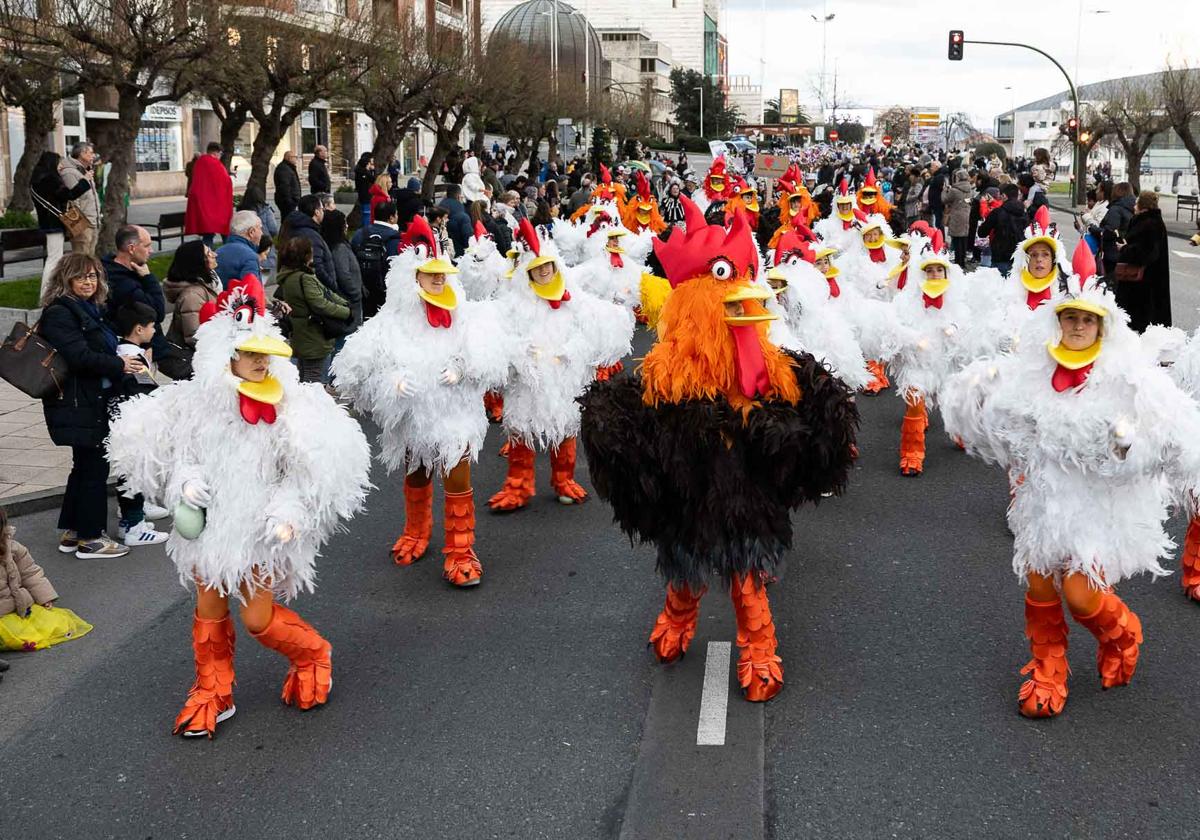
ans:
x=157 y=147
x=72 y=112
x=1042 y=124
x=1033 y=123
x=313 y=130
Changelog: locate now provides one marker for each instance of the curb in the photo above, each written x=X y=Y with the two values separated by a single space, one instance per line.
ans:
x=41 y=500
x=1070 y=209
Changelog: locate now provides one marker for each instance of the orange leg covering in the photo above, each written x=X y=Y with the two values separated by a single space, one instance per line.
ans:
x=519 y=486
x=562 y=474
x=1191 y=560
x=1045 y=693
x=912 y=437
x=462 y=566
x=880 y=380
x=418 y=522
x=211 y=695
x=1119 y=632
x=493 y=404
x=605 y=373
x=676 y=624
x=311 y=673
x=760 y=670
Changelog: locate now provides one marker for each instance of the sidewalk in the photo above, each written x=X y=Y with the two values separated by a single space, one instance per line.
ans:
x=29 y=462
x=1184 y=228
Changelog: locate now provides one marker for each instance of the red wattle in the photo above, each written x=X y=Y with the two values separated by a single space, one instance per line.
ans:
x=615 y=260
x=752 y=367
x=932 y=303
x=252 y=410
x=436 y=316
x=1065 y=378
x=834 y=289
x=1035 y=299
x=878 y=255
x=902 y=279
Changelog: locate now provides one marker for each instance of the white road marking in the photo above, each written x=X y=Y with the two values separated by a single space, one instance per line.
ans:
x=714 y=701
x=1186 y=255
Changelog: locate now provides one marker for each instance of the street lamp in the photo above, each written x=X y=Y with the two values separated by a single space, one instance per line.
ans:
x=701 y=89
x=824 y=21
x=1079 y=34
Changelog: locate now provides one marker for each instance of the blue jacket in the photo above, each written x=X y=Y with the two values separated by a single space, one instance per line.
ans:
x=459 y=224
x=125 y=287
x=237 y=258
x=390 y=237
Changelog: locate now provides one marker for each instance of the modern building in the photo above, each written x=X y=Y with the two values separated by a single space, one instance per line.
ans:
x=746 y=97
x=639 y=67
x=1037 y=124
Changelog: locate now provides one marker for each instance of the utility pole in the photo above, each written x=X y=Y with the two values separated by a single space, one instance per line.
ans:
x=701 y=89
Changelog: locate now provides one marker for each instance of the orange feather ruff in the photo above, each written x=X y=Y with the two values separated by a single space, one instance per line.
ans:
x=695 y=359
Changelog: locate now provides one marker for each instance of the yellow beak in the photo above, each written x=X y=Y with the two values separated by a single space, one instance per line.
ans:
x=446 y=299
x=438 y=265
x=268 y=344
x=748 y=292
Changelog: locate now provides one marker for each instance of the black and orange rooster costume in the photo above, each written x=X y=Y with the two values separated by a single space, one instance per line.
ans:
x=718 y=437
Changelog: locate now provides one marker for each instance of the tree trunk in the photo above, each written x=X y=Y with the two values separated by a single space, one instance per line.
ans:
x=270 y=132
x=231 y=126
x=114 y=212
x=388 y=136
x=445 y=142
x=1190 y=143
x=39 y=122
x=477 y=139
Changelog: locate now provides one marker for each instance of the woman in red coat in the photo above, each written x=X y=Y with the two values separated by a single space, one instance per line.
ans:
x=210 y=198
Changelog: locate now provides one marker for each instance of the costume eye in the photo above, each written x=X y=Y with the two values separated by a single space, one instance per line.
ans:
x=243 y=315
x=422 y=250
x=722 y=269
x=793 y=260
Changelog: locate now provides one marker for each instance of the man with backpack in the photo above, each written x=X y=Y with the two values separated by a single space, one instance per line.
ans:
x=1005 y=226
x=373 y=246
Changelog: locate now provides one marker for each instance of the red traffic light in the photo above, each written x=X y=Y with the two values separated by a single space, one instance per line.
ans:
x=955 y=50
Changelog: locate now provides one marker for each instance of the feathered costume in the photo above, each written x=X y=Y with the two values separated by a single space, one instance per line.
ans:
x=870 y=199
x=641 y=209
x=1092 y=432
x=563 y=334
x=605 y=192
x=796 y=206
x=717 y=187
x=722 y=434
x=838 y=228
x=420 y=369
x=482 y=268
x=275 y=464
x=745 y=200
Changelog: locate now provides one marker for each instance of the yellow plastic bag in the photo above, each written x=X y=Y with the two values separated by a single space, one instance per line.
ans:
x=41 y=628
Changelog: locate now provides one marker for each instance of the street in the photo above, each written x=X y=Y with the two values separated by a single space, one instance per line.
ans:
x=530 y=707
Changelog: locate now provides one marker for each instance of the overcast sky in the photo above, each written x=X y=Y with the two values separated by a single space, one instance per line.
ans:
x=890 y=52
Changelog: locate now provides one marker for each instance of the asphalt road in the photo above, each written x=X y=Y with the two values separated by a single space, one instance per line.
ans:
x=530 y=708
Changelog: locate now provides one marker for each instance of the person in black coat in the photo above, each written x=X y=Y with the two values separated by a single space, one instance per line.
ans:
x=364 y=177
x=1111 y=230
x=50 y=198
x=78 y=417
x=1148 y=301
x=459 y=223
x=318 y=172
x=1005 y=227
x=305 y=221
x=287 y=185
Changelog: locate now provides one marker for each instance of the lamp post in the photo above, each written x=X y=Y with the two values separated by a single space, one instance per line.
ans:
x=701 y=89
x=824 y=21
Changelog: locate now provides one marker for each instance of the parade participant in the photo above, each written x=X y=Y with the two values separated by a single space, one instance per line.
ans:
x=717 y=186
x=563 y=334
x=482 y=268
x=682 y=450
x=258 y=487
x=796 y=206
x=745 y=200
x=420 y=369
x=870 y=199
x=1093 y=424
x=897 y=278
x=640 y=211
x=811 y=322
x=605 y=192
x=838 y=228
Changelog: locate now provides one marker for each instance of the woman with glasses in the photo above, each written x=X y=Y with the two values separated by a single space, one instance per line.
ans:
x=78 y=416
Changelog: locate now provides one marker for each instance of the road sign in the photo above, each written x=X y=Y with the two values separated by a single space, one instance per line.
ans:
x=887 y=140
x=770 y=166
x=833 y=136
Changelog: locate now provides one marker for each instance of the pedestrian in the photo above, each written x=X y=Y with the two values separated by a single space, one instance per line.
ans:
x=305 y=223
x=1148 y=299
x=1033 y=194
x=913 y=198
x=30 y=618
x=318 y=171
x=934 y=187
x=581 y=196
x=311 y=302
x=255 y=200
x=72 y=170
x=672 y=206
x=51 y=198
x=435 y=360
x=459 y=222
x=364 y=179
x=287 y=185
x=334 y=228
x=1072 y=417
x=77 y=417
x=1111 y=230
x=394 y=168
x=238 y=256
x=210 y=199
x=1003 y=227
x=408 y=202
x=130 y=280
x=191 y=282
x=439 y=219
x=254 y=503
x=377 y=194
x=373 y=247
x=956 y=201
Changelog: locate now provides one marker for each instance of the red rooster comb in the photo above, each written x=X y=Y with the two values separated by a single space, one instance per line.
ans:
x=1041 y=219
x=643 y=186
x=245 y=293
x=1083 y=262
x=605 y=175
x=936 y=241
x=419 y=232
x=844 y=188
x=792 y=243
x=803 y=231
x=869 y=182
x=689 y=254
x=922 y=227
x=718 y=167
x=528 y=235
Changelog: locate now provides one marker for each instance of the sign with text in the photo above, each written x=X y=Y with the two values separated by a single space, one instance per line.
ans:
x=770 y=166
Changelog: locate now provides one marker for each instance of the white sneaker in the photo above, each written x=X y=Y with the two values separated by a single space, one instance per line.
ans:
x=154 y=512
x=141 y=534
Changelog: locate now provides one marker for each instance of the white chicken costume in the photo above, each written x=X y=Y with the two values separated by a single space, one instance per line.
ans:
x=564 y=334
x=420 y=369
x=813 y=322
x=1021 y=294
x=482 y=269
x=837 y=229
x=260 y=480
x=1093 y=431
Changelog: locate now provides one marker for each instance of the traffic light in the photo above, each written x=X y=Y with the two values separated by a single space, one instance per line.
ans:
x=1073 y=128
x=955 y=50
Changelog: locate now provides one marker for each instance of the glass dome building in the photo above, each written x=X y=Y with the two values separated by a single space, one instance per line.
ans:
x=531 y=25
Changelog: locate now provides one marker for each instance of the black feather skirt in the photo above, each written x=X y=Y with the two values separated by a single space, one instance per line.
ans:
x=710 y=488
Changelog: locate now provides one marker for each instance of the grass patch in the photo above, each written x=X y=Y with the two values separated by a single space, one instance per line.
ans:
x=1059 y=188
x=23 y=293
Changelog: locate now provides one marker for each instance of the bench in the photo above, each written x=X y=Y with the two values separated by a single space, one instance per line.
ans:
x=1190 y=203
x=169 y=226
x=21 y=246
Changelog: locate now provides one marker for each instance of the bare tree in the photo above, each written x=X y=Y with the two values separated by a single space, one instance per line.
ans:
x=1179 y=88
x=142 y=49
x=956 y=126
x=1133 y=114
x=895 y=122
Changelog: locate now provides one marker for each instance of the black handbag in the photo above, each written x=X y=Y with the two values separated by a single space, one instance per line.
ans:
x=30 y=364
x=332 y=327
x=1129 y=273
